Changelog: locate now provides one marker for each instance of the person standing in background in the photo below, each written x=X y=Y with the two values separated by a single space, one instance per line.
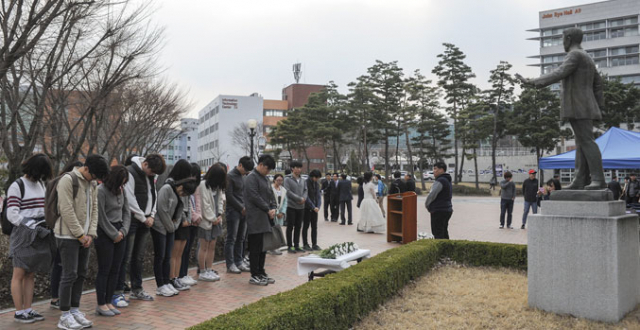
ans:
x=507 y=199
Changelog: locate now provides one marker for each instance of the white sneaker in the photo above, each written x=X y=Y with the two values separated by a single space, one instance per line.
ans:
x=164 y=291
x=79 y=317
x=172 y=289
x=68 y=322
x=214 y=277
x=188 y=280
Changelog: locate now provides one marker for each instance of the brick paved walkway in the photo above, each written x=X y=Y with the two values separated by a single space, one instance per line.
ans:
x=474 y=218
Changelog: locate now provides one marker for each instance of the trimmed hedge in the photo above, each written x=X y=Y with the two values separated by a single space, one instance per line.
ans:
x=343 y=298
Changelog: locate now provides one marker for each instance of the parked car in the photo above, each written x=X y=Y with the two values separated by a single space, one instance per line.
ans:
x=428 y=175
x=403 y=173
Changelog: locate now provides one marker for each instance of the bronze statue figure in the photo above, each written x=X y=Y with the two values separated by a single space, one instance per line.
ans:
x=581 y=100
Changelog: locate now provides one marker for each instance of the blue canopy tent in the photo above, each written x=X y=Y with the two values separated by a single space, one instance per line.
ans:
x=620 y=149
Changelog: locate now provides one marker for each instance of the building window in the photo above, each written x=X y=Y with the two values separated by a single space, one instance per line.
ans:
x=188 y=148
x=601 y=63
x=593 y=26
x=625 y=50
x=624 y=60
x=548 y=42
x=274 y=113
x=624 y=32
x=624 y=21
x=597 y=53
x=599 y=35
x=548 y=68
x=552 y=58
x=629 y=79
x=188 y=138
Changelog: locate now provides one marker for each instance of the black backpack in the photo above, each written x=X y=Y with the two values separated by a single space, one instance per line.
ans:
x=7 y=226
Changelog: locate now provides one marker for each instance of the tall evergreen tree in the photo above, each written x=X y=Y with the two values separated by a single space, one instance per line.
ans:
x=361 y=114
x=621 y=104
x=477 y=126
x=386 y=83
x=454 y=77
x=536 y=120
x=499 y=96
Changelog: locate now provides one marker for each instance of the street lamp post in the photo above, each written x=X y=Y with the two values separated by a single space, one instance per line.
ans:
x=252 y=123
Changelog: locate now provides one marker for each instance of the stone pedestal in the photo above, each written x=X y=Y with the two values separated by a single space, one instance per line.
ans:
x=583 y=259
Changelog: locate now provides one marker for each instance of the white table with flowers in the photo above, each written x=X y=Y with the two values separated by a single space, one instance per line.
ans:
x=337 y=258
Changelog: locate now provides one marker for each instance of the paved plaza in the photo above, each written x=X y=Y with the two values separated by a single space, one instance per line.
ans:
x=474 y=218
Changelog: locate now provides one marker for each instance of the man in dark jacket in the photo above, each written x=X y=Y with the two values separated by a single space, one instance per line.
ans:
x=260 y=204
x=335 y=198
x=633 y=189
x=236 y=221
x=344 y=188
x=312 y=207
x=439 y=202
x=397 y=186
x=530 y=191
x=614 y=186
x=326 y=193
x=409 y=182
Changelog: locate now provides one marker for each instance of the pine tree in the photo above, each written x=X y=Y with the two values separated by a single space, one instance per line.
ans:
x=454 y=75
x=536 y=120
x=386 y=83
x=499 y=97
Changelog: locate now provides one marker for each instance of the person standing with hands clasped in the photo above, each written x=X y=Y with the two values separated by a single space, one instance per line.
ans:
x=297 y=196
x=507 y=198
x=311 y=212
x=261 y=211
x=114 y=218
x=439 y=202
x=75 y=230
x=280 y=194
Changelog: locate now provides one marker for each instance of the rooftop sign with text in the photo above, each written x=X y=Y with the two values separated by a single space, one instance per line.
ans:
x=556 y=14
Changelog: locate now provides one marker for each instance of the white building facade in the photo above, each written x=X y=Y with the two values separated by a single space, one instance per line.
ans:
x=216 y=122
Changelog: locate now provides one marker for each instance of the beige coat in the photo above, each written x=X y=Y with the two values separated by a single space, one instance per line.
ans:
x=74 y=222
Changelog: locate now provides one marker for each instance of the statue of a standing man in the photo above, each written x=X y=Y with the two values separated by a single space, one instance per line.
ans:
x=581 y=100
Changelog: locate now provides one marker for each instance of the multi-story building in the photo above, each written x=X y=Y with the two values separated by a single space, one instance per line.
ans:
x=216 y=122
x=610 y=36
x=183 y=143
x=293 y=96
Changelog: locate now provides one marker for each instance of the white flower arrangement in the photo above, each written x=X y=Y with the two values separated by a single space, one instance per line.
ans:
x=338 y=250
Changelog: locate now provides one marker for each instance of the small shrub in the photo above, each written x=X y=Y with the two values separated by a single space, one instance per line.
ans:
x=470 y=191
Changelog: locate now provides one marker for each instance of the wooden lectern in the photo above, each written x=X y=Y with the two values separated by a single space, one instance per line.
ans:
x=402 y=220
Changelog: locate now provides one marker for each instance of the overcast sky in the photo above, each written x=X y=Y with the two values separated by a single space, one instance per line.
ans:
x=239 y=47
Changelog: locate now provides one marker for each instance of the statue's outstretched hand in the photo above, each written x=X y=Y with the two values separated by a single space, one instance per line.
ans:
x=523 y=79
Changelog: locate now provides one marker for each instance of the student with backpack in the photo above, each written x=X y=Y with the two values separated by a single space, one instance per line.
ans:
x=29 y=253
x=56 y=269
x=75 y=230
x=114 y=219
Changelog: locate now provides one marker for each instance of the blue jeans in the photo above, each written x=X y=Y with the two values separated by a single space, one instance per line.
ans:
x=533 y=205
x=506 y=206
x=135 y=246
x=236 y=234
